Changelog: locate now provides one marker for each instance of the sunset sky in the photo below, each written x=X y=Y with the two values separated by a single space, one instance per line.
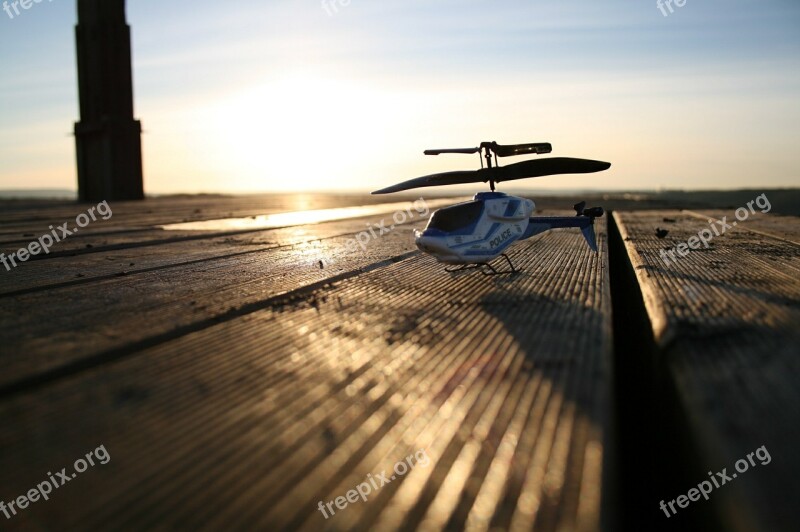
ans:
x=286 y=95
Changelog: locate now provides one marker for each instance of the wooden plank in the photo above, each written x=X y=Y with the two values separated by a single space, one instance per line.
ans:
x=725 y=322
x=121 y=257
x=67 y=323
x=141 y=224
x=782 y=227
x=172 y=209
x=250 y=422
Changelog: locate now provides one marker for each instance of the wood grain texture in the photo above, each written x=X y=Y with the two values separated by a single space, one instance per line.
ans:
x=247 y=387
x=725 y=319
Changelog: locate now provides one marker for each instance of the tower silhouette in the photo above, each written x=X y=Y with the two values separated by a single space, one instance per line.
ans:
x=107 y=137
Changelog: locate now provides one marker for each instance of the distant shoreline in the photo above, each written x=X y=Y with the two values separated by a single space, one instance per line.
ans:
x=67 y=194
x=784 y=200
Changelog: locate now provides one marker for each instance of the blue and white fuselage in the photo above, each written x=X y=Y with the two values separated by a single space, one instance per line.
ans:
x=478 y=231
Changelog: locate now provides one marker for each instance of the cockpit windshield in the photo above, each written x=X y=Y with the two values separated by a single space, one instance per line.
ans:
x=455 y=217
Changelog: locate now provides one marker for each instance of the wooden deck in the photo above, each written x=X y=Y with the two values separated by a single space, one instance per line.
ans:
x=726 y=327
x=238 y=377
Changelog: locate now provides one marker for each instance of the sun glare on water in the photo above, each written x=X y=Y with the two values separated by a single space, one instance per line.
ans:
x=286 y=219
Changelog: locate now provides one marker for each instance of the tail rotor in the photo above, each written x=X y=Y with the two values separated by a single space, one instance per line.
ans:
x=593 y=212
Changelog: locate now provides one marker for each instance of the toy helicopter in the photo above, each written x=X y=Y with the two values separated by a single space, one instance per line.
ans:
x=474 y=233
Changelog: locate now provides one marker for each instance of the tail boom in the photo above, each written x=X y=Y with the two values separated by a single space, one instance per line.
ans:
x=540 y=224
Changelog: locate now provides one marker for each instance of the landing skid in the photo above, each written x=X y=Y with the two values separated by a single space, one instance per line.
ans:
x=480 y=266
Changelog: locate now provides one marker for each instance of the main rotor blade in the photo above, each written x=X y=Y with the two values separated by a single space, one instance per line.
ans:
x=434 y=180
x=452 y=150
x=549 y=166
x=520 y=170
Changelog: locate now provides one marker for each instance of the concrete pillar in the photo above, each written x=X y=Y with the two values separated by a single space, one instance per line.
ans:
x=108 y=138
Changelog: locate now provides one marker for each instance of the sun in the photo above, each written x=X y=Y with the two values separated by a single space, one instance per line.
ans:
x=303 y=132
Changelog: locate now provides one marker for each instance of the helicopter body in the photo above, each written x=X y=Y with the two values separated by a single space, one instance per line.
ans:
x=473 y=233
x=478 y=231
